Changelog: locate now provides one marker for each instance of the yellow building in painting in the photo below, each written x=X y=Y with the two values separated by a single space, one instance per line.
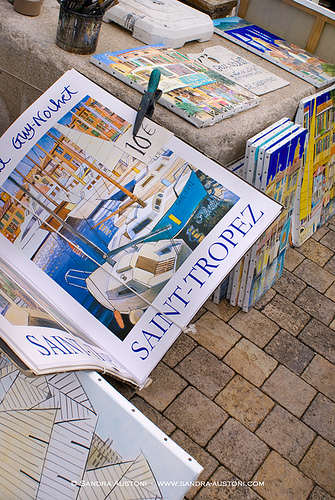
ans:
x=11 y=216
x=95 y=119
x=317 y=190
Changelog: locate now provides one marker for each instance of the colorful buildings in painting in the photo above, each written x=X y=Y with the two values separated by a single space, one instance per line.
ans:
x=282 y=188
x=93 y=118
x=11 y=216
x=317 y=199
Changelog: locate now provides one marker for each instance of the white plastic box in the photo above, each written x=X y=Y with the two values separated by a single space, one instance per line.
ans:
x=161 y=21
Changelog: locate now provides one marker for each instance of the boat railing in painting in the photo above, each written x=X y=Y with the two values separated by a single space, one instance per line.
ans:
x=77 y=278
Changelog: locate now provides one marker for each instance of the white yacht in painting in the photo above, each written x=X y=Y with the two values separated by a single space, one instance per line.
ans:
x=146 y=251
x=137 y=276
x=171 y=206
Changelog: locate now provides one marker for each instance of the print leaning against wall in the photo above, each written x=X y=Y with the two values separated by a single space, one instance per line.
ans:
x=125 y=236
x=107 y=227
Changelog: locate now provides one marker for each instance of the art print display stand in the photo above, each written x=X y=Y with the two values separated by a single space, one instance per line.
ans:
x=72 y=436
x=118 y=239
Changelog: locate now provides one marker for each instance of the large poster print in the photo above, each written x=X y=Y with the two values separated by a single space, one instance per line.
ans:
x=133 y=233
x=110 y=229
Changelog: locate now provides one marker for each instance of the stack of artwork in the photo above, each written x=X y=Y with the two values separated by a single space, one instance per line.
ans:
x=273 y=163
x=316 y=201
x=108 y=232
x=275 y=49
x=308 y=193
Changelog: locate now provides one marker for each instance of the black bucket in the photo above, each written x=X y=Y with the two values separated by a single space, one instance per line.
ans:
x=78 y=33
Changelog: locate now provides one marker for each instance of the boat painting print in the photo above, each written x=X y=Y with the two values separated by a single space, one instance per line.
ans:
x=109 y=228
x=122 y=237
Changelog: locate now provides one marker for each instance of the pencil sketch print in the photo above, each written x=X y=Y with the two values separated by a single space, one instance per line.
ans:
x=51 y=447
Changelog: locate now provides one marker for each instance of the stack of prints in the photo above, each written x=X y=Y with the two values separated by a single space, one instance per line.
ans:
x=119 y=238
x=273 y=163
x=316 y=201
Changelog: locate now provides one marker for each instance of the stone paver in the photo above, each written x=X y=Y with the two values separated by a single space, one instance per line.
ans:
x=198 y=315
x=250 y=361
x=313 y=275
x=202 y=422
x=224 y=485
x=157 y=418
x=292 y=259
x=289 y=351
x=320 y=233
x=328 y=240
x=223 y=310
x=215 y=335
x=282 y=480
x=289 y=390
x=320 y=338
x=289 y=285
x=258 y=328
x=321 y=375
x=179 y=349
x=316 y=251
x=165 y=386
x=238 y=449
x=330 y=266
x=320 y=416
x=330 y=293
x=316 y=304
x=265 y=299
x=286 y=434
x=203 y=370
x=286 y=314
x=319 y=464
x=244 y=402
x=208 y=463
x=319 y=494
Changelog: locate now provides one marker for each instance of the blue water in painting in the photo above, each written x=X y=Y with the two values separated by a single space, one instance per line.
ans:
x=56 y=257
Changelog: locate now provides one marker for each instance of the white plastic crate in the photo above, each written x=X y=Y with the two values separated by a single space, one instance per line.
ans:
x=161 y=21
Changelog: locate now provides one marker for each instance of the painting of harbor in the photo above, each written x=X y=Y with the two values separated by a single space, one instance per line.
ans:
x=108 y=227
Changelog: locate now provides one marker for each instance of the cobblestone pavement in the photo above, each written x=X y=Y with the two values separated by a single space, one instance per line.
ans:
x=251 y=396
